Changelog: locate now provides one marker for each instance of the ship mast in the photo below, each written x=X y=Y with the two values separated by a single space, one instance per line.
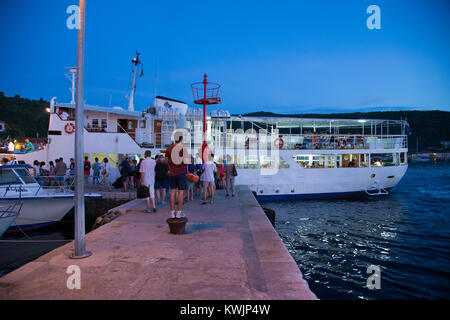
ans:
x=72 y=77
x=136 y=63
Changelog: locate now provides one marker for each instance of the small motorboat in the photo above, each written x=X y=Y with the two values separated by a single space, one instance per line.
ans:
x=41 y=206
x=8 y=215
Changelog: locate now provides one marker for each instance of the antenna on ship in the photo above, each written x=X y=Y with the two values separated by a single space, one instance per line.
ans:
x=136 y=63
x=72 y=76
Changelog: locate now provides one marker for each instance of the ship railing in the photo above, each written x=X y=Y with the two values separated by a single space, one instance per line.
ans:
x=313 y=141
x=51 y=183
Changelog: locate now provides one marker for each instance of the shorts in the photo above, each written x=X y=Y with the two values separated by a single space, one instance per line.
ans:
x=209 y=183
x=59 y=178
x=190 y=185
x=151 y=190
x=178 y=182
x=164 y=184
x=87 y=173
x=96 y=174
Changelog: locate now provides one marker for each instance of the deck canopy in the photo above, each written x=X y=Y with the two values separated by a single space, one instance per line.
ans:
x=319 y=123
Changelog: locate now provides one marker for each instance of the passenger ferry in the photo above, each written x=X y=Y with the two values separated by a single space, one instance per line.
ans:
x=279 y=158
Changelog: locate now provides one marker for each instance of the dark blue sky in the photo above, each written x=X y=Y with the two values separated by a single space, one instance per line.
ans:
x=280 y=56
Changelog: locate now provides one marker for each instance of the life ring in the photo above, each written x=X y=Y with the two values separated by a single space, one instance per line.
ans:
x=342 y=143
x=69 y=128
x=279 y=142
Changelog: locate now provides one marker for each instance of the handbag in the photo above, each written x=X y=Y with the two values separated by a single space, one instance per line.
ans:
x=234 y=172
x=142 y=192
x=192 y=177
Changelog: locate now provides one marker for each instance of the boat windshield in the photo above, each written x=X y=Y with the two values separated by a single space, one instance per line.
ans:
x=8 y=177
x=25 y=176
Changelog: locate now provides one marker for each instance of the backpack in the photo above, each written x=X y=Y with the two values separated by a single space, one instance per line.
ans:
x=87 y=166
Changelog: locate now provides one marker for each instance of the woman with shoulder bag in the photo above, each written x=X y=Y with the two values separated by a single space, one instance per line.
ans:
x=230 y=173
x=104 y=167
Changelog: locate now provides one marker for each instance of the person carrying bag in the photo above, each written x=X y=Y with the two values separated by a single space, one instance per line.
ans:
x=230 y=173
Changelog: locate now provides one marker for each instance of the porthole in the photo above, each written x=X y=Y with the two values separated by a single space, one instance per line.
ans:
x=373 y=175
x=260 y=191
x=277 y=191
x=390 y=177
x=292 y=190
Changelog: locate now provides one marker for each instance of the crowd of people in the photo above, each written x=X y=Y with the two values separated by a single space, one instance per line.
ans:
x=182 y=177
x=179 y=175
x=9 y=146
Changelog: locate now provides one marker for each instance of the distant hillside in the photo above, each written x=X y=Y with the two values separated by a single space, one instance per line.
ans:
x=24 y=117
x=27 y=118
x=428 y=127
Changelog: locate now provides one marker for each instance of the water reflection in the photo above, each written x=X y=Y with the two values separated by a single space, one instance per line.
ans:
x=405 y=233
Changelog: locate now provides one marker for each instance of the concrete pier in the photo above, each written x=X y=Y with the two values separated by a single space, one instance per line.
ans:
x=230 y=251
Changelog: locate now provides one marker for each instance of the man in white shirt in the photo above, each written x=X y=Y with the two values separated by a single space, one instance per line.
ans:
x=10 y=146
x=207 y=179
x=147 y=170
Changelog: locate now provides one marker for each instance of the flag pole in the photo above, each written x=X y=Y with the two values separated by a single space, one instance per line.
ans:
x=80 y=237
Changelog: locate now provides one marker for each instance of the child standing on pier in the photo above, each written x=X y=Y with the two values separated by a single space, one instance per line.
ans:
x=207 y=177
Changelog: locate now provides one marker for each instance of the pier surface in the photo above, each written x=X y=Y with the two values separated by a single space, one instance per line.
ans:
x=230 y=251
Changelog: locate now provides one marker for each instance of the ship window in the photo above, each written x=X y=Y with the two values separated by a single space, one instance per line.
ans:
x=25 y=176
x=7 y=177
x=269 y=162
x=383 y=159
x=315 y=160
x=104 y=123
x=94 y=123
x=352 y=160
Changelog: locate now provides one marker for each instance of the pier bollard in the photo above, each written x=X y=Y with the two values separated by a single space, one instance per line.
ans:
x=177 y=225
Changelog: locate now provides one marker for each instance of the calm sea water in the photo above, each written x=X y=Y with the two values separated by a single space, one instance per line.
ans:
x=406 y=234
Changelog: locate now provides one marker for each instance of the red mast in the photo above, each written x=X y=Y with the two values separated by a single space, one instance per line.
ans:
x=205 y=93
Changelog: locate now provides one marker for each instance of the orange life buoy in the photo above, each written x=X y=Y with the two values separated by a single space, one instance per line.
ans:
x=342 y=143
x=279 y=142
x=69 y=128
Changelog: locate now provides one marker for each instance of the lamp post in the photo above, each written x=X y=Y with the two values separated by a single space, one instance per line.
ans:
x=80 y=236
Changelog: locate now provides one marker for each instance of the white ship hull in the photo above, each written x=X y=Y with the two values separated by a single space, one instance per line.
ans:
x=38 y=212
